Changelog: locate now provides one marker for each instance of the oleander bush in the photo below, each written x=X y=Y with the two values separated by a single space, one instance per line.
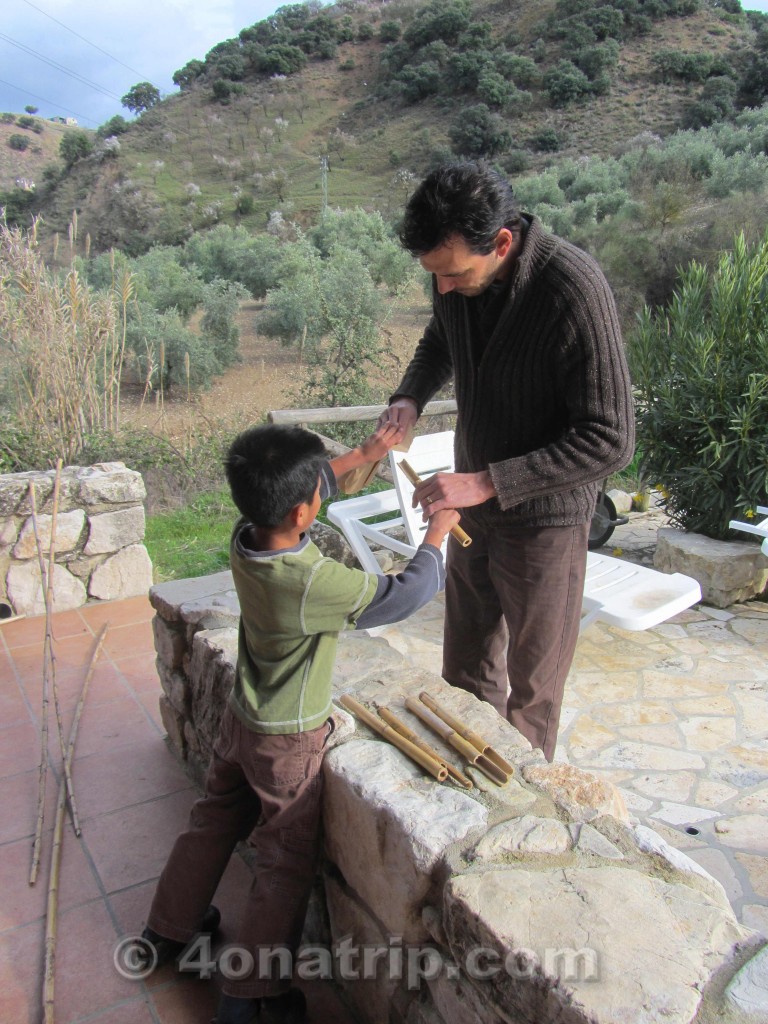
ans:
x=700 y=368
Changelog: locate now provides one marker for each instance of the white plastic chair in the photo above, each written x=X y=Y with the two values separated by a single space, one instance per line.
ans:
x=428 y=454
x=616 y=592
x=760 y=528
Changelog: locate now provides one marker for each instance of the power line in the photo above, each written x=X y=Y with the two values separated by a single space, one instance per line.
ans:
x=44 y=100
x=59 y=67
x=111 y=57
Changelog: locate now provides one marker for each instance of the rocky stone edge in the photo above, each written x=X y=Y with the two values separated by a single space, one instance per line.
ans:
x=99 y=550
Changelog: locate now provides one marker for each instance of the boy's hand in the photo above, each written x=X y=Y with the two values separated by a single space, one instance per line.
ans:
x=440 y=524
x=381 y=440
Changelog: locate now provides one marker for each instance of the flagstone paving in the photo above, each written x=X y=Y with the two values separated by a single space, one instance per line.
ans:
x=676 y=717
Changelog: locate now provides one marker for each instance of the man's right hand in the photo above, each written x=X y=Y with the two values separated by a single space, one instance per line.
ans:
x=401 y=413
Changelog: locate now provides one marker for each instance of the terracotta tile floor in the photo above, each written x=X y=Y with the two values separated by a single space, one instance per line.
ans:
x=133 y=797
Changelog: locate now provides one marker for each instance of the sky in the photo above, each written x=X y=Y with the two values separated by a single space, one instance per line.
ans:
x=49 y=47
x=112 y=44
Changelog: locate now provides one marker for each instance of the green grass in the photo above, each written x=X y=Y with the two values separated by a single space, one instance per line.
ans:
x=191 y=541
x=194 y=540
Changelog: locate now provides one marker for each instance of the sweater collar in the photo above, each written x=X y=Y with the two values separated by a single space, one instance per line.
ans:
x=538 y=247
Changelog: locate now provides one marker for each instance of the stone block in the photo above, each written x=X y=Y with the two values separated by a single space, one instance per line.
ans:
x=581 y=794
x=13 y=490
x=173 y=723
x=404 y=826
x=369 y=989
x=333 y=544
x=622 y=501
x=212 y=672
x=9 y=531
x=110 y=483
x=564 y=953
x=170 y=642
x=170 y=599
x=649 y=841
x=69 y=526
x=458 y=1000
x=748 y=990
x=127 y=573
x=175 y=686
x=25 y=590
x=729 y=571
x=111 y=531
x=526 y=835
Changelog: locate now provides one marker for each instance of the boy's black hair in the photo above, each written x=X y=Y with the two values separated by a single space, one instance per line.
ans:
x=270 y=469
x=466 y=199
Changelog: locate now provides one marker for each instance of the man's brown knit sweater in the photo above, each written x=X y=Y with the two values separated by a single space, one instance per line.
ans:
x=544 y=399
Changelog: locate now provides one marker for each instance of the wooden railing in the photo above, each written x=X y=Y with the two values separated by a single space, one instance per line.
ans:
x=352 y=414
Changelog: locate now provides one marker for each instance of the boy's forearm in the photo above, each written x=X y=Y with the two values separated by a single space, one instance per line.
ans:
x=350 y=460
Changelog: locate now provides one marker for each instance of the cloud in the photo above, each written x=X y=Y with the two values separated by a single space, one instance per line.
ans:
x=148 y=40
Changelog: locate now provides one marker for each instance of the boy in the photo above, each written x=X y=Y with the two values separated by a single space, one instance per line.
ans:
x=264 y=780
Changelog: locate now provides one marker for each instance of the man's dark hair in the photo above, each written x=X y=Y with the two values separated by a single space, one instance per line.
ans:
x=467 y=199
x=272 y=468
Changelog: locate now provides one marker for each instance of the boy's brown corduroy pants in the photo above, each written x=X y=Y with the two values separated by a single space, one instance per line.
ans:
x=266 y=789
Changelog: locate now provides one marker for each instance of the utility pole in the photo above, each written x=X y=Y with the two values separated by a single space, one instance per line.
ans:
x=324 y=168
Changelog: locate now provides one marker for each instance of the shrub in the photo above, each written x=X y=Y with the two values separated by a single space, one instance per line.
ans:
x=700 y=370
x=478 y=132
x=565 y=83
x=18 y=142
x=390 y=31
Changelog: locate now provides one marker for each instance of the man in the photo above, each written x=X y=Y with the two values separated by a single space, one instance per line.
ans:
x=526 y=326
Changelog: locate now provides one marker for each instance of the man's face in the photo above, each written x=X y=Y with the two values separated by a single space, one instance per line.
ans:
x=458 y=269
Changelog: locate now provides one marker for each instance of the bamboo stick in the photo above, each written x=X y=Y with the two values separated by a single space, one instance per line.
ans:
x=457 y=533
x=451 y=737
x=417 y=741
x=43 y=767
x=51 y=920
x=468 y=734
x=428 y=763
x=49 y=641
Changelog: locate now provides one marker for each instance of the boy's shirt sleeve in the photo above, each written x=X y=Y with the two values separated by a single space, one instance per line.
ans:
x=335 y=597
x=398 y=596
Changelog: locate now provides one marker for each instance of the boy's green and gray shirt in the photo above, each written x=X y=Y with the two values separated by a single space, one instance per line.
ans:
x=293 y=604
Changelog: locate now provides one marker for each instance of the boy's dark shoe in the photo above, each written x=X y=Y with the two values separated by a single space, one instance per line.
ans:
x=167 y=950
x=232 y=1010
x=287 y=1008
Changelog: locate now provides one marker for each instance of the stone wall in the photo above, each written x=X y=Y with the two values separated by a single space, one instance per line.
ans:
x=99 y=552
x=539 y=902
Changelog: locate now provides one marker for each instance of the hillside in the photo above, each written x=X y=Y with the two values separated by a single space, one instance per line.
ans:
x=194 y=159
x=42 y=150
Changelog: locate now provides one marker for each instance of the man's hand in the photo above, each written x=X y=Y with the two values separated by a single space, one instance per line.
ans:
x=402 y=412
x=453 y=490
x=377 y=445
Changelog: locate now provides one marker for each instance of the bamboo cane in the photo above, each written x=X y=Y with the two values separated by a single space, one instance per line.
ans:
x=472 y=737
x=451 y=737
x=417 y=741
x=425 y=761
x=43 y=767
x=51 y=920
x=49 y=642
x=457 y=533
